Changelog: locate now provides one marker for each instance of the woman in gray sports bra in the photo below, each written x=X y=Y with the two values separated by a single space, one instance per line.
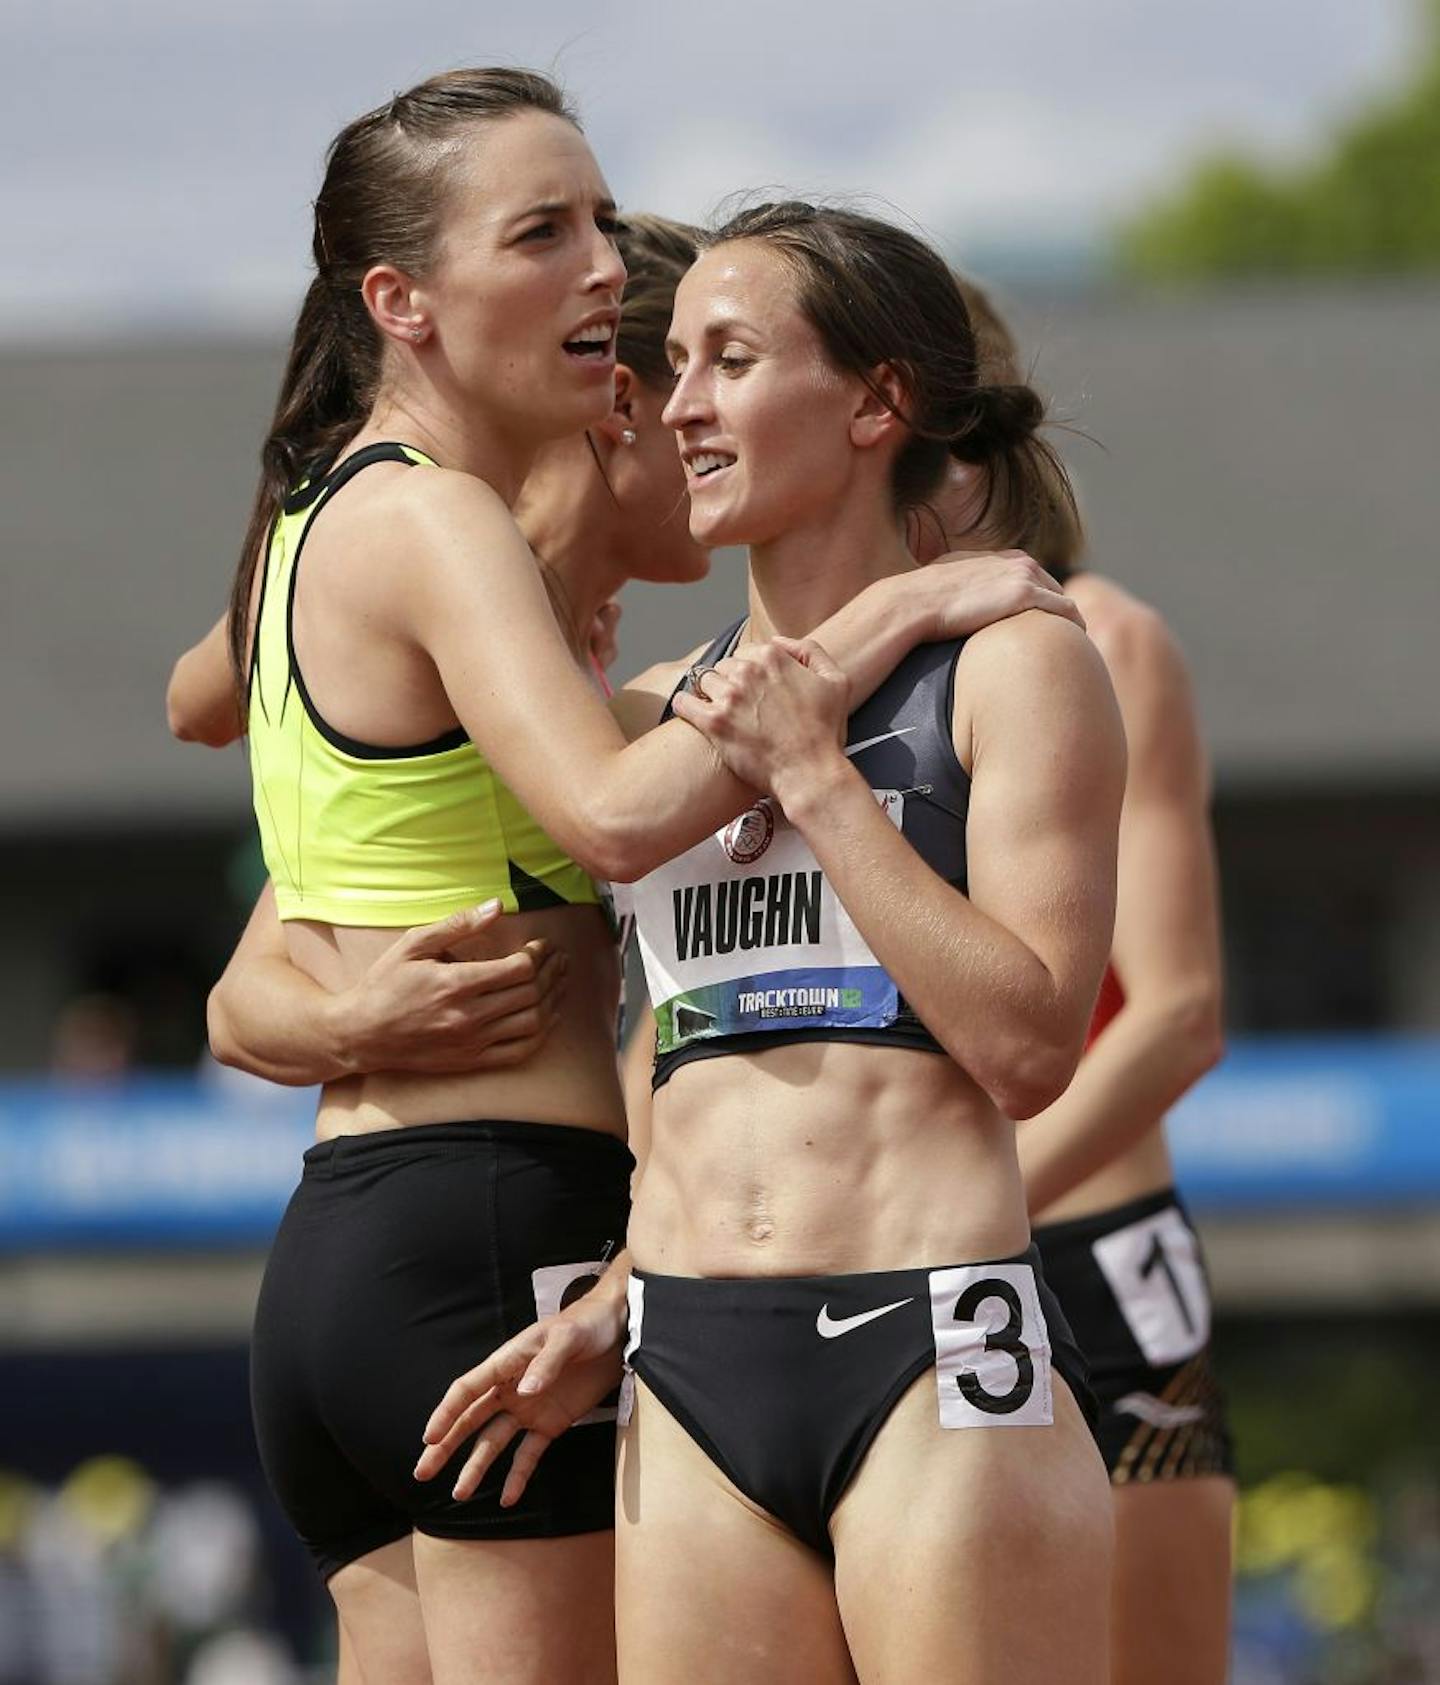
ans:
x=598 y=507
x=857 y=1445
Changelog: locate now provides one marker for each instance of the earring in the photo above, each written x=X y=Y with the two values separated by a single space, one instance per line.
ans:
x=628 y=435
x=416 y=333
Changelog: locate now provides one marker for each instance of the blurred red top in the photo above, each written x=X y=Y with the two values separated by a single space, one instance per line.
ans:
x=1107 y=1004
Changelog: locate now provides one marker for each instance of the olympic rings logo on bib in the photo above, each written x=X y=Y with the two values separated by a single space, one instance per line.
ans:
x=745 y=839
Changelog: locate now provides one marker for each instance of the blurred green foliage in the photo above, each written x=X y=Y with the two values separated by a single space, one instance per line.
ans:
x=1369 y=205
x=1337 y=1538
x=1348 y=1399
x=1324 y=1535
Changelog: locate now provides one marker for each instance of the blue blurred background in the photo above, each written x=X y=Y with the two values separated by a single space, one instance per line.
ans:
x=1217 y=230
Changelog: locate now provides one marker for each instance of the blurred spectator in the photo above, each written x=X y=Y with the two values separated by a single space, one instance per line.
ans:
x=203 y=1553
x=242 y=1658
x=113 y=1580
x=93 y=1038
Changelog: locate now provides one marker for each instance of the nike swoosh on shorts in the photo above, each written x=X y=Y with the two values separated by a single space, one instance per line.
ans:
x=831 y=1328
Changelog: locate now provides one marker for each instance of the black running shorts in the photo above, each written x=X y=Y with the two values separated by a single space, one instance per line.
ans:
x=1132 y=1282
x=404 y=1258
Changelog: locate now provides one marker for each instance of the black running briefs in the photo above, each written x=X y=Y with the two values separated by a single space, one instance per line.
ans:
x=1132 y=1281
x=784 y=1383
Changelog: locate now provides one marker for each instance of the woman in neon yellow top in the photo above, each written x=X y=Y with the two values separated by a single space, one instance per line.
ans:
x=464 y=310
x=356 y=833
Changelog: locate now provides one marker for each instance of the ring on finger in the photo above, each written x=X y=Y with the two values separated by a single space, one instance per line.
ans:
x=695 y=679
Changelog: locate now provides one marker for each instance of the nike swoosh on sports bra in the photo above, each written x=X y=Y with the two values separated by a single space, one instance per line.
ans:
x=745 y=943
x=367 y=834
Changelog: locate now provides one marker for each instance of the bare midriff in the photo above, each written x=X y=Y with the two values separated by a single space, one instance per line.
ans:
x=825 y=1158
x=572 y=1080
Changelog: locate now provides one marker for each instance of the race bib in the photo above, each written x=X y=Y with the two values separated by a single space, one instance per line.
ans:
x=558 y=1285
x=743 y=934
x=635 y=1300
x=992 y=1348
x=1154 y=1270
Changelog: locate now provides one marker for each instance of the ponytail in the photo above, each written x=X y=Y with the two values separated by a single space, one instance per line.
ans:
x=1004 y=418
x=320 y=409
x=1029 y=500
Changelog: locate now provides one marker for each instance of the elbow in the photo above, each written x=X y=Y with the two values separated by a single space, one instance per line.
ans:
x=1027 y=1093
x=628 y=865
x=213 y=721
x=186 y=721
x=614 y=845
x=620 y=861
x=223 y=1046
x=181 y=723
x=1032 y=1077
x=1195 y=1031
x=210 y=736
x=189 y=726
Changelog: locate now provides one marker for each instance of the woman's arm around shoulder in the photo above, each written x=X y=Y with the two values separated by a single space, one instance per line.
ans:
x=954 y=596
x=466 y=589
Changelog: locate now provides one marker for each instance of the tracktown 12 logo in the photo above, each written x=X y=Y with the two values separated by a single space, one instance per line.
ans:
x=745 y=839
x=801 y=1001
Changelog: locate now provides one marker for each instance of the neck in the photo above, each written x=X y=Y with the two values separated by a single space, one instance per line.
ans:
x=453 y=437
x=571 y=523
x=802 y=578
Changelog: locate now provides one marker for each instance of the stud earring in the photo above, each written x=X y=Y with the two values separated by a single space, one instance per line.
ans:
x=628 y=435
x=415 y=334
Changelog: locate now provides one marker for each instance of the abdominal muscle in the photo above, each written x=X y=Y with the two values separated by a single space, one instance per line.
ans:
x=571 y=1080
x=825 y=1158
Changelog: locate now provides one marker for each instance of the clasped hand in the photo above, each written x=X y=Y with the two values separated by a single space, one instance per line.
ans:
x=770 y=709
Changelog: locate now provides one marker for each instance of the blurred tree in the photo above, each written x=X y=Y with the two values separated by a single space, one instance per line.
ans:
x=1370 y=204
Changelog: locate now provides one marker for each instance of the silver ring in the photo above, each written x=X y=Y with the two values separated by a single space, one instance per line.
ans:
x=694 y=678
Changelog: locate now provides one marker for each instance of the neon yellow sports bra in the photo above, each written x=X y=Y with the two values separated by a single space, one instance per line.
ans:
x=356 y=833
